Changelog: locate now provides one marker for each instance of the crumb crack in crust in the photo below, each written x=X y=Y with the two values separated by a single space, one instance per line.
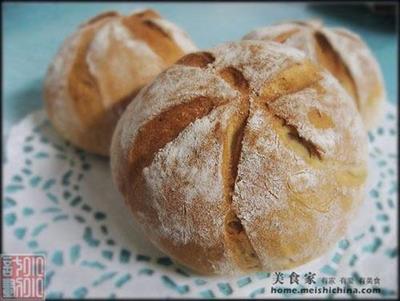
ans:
x=236 y=239
x=333 y=61
x=231 y=159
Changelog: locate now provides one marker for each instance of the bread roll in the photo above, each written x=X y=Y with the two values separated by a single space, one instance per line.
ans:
x=244 y=157
x=340 y=51
x=101 y=67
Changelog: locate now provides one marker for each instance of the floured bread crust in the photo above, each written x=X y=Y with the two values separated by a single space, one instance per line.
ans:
x=100 y=69
x=244 y=157
x=340 y=51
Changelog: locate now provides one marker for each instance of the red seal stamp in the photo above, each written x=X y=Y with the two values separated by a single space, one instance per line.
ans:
x=22 y=277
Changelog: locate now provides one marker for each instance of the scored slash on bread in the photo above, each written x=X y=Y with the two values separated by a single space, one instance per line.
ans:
x=244 y=157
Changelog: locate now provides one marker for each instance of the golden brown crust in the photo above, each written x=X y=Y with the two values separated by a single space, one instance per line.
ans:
x=102 y=67
x=291 y=80
x=101 y=17
x=84 y=91
x=144 y=28
x=82 y=96
x=250 y=175
x=156 y=133
x=342 y=53
x=148 y=13
x=281 y=38
x=198 y=59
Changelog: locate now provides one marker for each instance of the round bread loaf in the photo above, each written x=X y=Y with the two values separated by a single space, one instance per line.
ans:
x=244 y=157
x=340 y=51
x=101 y=67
